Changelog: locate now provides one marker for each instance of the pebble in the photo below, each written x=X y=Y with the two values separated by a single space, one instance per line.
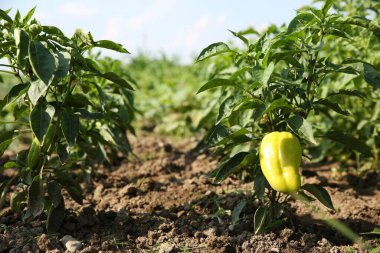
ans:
x=71 y=244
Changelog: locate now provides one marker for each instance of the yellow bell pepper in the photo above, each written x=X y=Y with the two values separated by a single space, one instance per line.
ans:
x=280 y=159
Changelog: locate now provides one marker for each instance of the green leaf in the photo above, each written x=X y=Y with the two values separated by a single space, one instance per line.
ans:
x=111 y=45
x=259 y=219
x=240 y=36
x=278 y=103
x=63 y=65
x=11 y=164
x=40 y=118
x=320 y=193
x=302 y=20
x=87 y=65
x=28 y=16
x=16 y=92
x=62 y=152
x=22 y=44
x=6 y=138
x=375 y=231
x=36 y=90
x=355 y=93
x=54 y=192
x=5 y=16
x=327 y=6
x=302 y=127
x=113 y=77
x=70 y=126
x=349 y=141
x=333 y=106
x=212 y=50
x=239 y=73
x=237 y=210
x=53 y=31
x=71 y=185
x=42 y=61
x=267 y=73
x=226 y=108
x=216 y=83
x=230 y=166
x=55 y=217
x=371 y=75
x=301 y=195
x=77 y=100
x=239 y=134
x=36 y=197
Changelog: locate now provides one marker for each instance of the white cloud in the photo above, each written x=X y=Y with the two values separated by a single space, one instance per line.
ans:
x=158 y=10
x=194 y=37
x=114 y=28
x=77 y=10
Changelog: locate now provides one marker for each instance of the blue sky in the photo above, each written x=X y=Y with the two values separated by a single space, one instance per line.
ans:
x=175 y=27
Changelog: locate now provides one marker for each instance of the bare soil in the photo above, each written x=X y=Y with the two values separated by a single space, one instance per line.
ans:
x=165 y=203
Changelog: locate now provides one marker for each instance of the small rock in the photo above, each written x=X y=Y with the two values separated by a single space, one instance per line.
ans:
x=129 y=190
x=98 y=191
x=71 y=244
x=181 y=213
x=210 y=232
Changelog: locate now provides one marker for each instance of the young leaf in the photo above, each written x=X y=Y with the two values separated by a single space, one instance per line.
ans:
x=36 y=197
x=28 y=16
x=259 y=219
x=320 y=193
x=70 y=126
x=227 y=168
x=327 y=6
x=111 y=45
x=302 y=127
x=216 y=83
x=40 y=118
x=212 y=50
x=350 y=142
x=42 y=61
x=237 y=210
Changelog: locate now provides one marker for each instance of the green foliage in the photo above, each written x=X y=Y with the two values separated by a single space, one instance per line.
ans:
x=303 y=78
x=167 y=102
x=76 y=112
